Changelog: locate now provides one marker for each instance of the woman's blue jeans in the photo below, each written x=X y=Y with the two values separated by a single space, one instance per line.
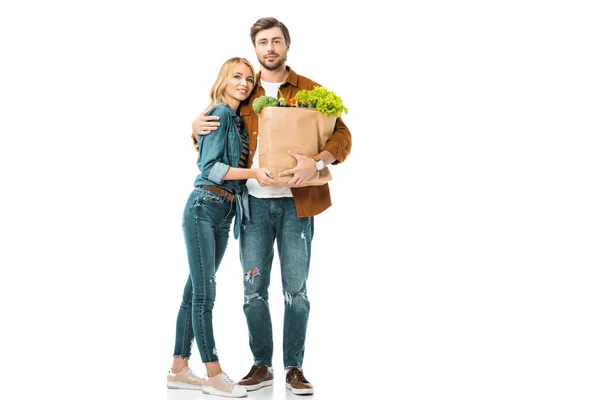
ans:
x=276 y=220
x=206 y=222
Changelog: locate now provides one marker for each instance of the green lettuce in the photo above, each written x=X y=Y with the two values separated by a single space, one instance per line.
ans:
x=323 y=100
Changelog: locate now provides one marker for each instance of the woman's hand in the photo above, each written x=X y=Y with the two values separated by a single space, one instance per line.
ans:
x=264 y=177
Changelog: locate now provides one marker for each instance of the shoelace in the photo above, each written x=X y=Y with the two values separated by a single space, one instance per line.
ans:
x=192 y=374
x=227 y=380
x=298 y=374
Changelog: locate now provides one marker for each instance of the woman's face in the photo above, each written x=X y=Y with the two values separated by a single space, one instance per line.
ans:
x=241 y=84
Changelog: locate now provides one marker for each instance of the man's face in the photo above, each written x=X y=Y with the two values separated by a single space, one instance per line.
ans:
x=270 y=48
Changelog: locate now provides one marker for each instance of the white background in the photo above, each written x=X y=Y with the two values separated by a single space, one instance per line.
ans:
x=459 y=260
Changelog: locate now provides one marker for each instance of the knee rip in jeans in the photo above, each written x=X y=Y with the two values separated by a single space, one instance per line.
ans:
x=290 y=296
x=254 y=296
x=249 y=276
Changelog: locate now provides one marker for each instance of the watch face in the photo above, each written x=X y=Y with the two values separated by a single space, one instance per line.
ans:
x=320 y=165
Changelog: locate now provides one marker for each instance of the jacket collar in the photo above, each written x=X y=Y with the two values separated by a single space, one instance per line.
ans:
x=292 y=77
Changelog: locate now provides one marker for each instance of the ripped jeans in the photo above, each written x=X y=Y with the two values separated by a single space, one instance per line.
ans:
x=276 y=220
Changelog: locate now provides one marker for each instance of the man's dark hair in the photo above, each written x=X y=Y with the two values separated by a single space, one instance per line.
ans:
x=268 y=23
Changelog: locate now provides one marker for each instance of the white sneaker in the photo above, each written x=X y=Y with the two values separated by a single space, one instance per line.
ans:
x=186 y=379
x=221 y=385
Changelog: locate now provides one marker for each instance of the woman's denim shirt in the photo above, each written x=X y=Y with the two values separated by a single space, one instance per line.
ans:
x=218 y=151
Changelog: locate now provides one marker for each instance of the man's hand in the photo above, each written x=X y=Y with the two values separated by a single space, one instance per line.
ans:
x=303 y=171
x=203 y=125
x=265 y=177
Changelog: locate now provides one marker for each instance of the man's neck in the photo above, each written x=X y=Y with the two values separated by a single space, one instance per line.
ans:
x=276 y=76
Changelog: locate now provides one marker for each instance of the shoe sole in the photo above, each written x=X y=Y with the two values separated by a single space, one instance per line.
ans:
x=216 y=392
x=263 y=384
x=298 y=391
x=181 y=385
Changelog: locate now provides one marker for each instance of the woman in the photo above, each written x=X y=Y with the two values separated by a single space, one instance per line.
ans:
x=220 y=194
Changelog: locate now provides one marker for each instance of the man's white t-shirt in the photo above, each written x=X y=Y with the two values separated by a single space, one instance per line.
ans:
x=254 y=189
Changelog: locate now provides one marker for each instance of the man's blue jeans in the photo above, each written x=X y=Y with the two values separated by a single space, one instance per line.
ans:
x=276 y=220
x=206 y=222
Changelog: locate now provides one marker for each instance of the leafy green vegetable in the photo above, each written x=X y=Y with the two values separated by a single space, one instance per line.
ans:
x=319 y=98
x=325 y=101
x=264 y=101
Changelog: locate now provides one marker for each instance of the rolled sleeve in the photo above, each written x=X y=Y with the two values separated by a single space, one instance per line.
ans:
x=340 y=143
x=337 y=150
x=217 y=172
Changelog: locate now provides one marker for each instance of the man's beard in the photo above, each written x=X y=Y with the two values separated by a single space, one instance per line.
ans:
x=275 y=66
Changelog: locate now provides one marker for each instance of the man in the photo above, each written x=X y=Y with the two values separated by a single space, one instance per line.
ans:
x=282 y=214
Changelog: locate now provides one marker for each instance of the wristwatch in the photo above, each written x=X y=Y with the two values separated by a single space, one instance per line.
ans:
x=319 y=163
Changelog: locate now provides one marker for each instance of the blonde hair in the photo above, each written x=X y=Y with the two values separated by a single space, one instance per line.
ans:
x=217 y=92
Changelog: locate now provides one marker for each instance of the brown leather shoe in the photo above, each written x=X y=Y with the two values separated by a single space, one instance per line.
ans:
x=296 y=382
x=257 y=378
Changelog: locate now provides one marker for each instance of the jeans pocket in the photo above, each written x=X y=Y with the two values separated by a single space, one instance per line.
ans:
x=189 y=207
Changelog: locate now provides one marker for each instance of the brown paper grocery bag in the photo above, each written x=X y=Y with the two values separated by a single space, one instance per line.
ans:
x=301 y=130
